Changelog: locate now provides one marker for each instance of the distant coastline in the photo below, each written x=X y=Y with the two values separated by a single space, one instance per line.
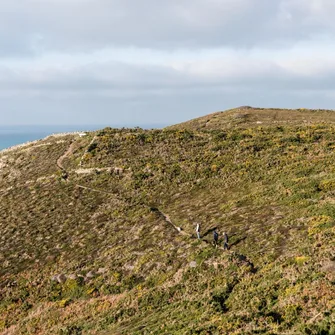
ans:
x=13 y=137
x=25 y=144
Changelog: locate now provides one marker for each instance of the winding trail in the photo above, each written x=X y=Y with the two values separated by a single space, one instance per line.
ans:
x=162 y=215
x=70 y=151
x=86 y=151
x=167 y=219
x=67 y=154
x=93 y=189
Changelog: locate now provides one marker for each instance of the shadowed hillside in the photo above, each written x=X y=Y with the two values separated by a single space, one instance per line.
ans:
x=97 y=232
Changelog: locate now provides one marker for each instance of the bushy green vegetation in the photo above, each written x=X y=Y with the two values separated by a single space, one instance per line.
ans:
x=93 y=254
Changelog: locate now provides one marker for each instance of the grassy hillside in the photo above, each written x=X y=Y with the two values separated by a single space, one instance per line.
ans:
x=249 y=117
x=89 y=243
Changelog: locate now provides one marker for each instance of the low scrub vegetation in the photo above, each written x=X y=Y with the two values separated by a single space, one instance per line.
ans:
x=98 y=252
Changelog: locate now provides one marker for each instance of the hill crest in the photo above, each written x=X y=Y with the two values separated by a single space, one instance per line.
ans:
x=246 y=116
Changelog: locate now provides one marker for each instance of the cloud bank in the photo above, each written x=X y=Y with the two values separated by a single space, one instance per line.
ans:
x=140 y=62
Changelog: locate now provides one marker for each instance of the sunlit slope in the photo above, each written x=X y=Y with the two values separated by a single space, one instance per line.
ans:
x=89 y=243
x=248 y=117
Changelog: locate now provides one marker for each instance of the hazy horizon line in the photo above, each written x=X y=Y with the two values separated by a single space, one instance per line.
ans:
x=86 y=125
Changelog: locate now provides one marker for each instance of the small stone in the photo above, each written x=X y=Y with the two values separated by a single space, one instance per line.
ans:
x=50 y=258
x=328 y=266
x=72 y=276
x=193 y=264
x=102 y=270
x=90 y=275
x=12 y=284
x=54 y=278
x=61 y=278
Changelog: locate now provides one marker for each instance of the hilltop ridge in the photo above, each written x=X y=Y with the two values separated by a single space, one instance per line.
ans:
x=97 y=232
x=246 y=116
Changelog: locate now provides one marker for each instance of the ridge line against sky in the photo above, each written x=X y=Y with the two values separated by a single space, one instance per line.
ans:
x=161 y=62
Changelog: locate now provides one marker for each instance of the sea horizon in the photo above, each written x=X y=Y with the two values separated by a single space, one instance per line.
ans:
x=12 y=135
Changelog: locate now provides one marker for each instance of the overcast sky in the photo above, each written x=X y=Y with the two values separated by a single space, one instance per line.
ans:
x=131 y=62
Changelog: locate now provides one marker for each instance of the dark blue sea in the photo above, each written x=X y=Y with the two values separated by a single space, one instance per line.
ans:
x=14 y=135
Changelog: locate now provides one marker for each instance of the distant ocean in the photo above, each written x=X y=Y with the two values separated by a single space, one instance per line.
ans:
x=14 y=135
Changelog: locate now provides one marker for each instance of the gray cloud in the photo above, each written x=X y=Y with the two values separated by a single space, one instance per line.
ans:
x=127 y=80
x=35 y=26
x=140 y=110
x=120 y=93
x=61 y=61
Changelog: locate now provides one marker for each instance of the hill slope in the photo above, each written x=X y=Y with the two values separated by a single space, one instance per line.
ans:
x=89 y=243
x=249 y=117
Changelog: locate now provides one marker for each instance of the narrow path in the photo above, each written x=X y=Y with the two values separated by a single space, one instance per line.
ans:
x=67 y=154
x=70 y=151
x=164 y=216
x=93 y=189
x=167 y=219
x=60 y=165
x=86 y=151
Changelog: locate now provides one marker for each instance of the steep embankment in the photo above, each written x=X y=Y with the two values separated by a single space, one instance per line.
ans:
x=91 y=241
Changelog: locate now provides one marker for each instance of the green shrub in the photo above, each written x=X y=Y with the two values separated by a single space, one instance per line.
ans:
x=327 y=185
x=70 y=330
x=319 y=223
